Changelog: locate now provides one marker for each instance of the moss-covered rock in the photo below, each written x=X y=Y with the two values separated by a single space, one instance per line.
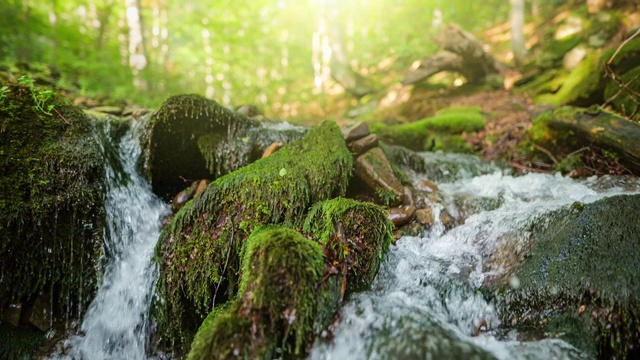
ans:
x=276 y=305
x=356 y=234
x=580 y=280
x=291 y=286
x=586 y=84
x=51 y=202
x=200 y=250
x=196 y=138
x=583 y=86
x=433 y=133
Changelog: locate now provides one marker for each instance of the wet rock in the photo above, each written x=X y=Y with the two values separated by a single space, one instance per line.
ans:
x=355 y=131
x=248 y=111
x=578 y=278
x=183 y=196
x=51 y=202
x=414 y=335
x=363 y=144
x=113 y=110
x=194 y=137
x=39 y=314
x=401 y=215
x=272 y=148
x=11 y=314
x=424 y=216
x=202 y=185
x=407 y=196
x=427 y=186
x=373 y=168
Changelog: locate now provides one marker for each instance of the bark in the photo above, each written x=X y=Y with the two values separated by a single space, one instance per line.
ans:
x=517 y=31
x=600 y=128
x=461 y=52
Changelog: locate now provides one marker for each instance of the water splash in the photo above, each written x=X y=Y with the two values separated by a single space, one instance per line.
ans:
x=116 y=325
x=424 y=302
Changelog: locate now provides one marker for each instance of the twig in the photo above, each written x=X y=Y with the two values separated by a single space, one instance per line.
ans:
x=61 y=117
x=526 y=168
x=614 y=76
x=547 y=152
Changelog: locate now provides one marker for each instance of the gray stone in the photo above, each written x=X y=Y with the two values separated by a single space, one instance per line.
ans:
x=355 y=131
x=363 y=144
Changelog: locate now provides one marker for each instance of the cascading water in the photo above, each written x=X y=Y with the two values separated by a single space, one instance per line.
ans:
x=116 y=325
x=424 y=302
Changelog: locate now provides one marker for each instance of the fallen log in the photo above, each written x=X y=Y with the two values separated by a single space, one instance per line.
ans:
x=461 y=52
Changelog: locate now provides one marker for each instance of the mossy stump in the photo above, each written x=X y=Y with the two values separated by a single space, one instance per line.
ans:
x=200 y=251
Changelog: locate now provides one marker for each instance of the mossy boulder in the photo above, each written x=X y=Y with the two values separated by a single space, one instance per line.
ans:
x=586 y=84
x=292 y=285
x=356 y=235
x=196 y=138
x=439 y=132
x=276 y=304
x=567 y=129
x=200 y=251
x=51 y=202
x=579 y=281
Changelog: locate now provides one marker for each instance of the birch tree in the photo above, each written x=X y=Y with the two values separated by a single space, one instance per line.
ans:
x=137 y=57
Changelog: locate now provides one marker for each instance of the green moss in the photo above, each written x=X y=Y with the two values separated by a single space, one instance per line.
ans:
x=193 y=137
x=51 y=203
x=585 y=85
x=200 y=250
x=449 y=122
x=366 y=238
x=584 y=259
x=553 y=51
x=19 y=343
x=276 y=306
x=582 y=85
x=569 y=163
x=223 y=335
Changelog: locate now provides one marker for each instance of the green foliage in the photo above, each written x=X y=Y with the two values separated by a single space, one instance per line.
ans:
x=253 y=51
x=40 y=96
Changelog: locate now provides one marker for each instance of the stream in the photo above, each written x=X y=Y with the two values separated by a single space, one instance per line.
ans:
x=424 y=302
x=116 y=325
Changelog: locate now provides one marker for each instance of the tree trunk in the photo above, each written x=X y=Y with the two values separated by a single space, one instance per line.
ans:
x=517 y=31
x=137 y=56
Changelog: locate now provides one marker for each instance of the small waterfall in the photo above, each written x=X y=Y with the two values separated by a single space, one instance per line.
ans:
x=116 y=325
x=425 y=301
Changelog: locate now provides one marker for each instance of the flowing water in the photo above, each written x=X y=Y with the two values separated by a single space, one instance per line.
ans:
x=116 y=325
x=424 y=303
